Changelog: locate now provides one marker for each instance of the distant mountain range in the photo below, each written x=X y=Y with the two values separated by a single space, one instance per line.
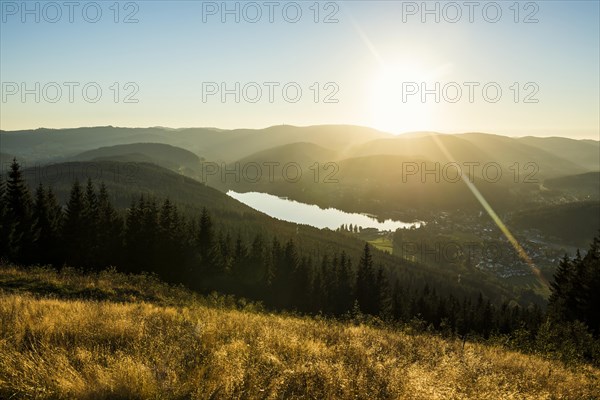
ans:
x=553 y=155
x=352 y=168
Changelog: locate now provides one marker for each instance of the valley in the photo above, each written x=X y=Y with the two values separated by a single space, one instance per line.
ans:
x=312 y=200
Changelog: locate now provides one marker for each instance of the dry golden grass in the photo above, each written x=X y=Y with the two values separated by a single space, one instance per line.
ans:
x=57 y=348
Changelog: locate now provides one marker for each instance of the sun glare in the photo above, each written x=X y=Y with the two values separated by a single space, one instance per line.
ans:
x=395 y=107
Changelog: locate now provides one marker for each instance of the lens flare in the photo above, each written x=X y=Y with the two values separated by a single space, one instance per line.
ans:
x=503 y=228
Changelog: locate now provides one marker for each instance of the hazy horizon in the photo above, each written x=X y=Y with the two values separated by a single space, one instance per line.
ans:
x=550 y=133
x=372 y=64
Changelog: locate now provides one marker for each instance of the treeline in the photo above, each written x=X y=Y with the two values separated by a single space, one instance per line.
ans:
x=88 y=232
x=576 y=289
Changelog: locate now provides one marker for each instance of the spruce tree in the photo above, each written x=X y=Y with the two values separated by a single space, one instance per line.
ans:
x=398 y=302
x=329 y=272
x=109 y=231
x=74 y=228
x=272 y=264
x=168 y=240
x=206 y=244
x=345 y=287
x=317 y=297
x=365 y=283
x=575 y=291
x=301 y=287
x=240 y=257
x=90 y=225
x=287 y=262
x=590 y=307
x=225 y=256
x=55 y=215
x=4 y=231
x=148 y=236
x=563 y=302
x=47 y=216
x=133 y=240
x=383 y=295
x=255 y=284
x=18 y=216
x=257 y=256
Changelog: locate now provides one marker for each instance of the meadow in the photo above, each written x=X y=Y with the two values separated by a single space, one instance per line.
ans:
x=107 y=335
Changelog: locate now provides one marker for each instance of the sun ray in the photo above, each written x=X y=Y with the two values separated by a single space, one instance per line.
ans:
x=497 y=220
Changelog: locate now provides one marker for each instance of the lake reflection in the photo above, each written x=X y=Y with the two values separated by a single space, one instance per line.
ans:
x=310 y=214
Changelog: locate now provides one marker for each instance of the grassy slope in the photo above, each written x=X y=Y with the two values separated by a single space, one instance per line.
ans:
x=66 y=335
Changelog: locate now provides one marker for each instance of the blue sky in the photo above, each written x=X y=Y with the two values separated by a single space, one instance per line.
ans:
x=368 y=56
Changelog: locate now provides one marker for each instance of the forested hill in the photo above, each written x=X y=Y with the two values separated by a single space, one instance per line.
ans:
x=571 y=223
x=171 y=157
x=126 y=182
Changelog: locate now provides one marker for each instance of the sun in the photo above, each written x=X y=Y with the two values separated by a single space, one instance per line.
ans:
x=394 y=112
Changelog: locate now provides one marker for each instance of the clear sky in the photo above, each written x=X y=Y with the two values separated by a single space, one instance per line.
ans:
x=374 y=58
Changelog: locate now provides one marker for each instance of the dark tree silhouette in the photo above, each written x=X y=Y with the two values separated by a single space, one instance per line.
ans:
x=365 y=283
x=575 y=289
x=18 y=217
x=47 y=217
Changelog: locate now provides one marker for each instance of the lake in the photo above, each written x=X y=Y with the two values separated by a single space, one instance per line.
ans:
x=310 y=214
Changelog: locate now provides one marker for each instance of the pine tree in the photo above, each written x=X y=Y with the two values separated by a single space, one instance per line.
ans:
x=110 y=231
x=273 y=263
x=365 y=283
x=345 y=287
x=133 y=236
x=286 y=264
x=149 y=236
x=240 y=258
x=73 y=230
x=226 y=253
x=18 y=217
x=90 y=225
x=257 y=270
x=563 y=302
x=47 y=216
x=576 y=289
x=316 y=296
x=169 y=237
x=206 y=244
x=4 y=231
x=329 y=271
x=329 y=283
x=301 y=285
x=383 y=295
x=590 y=308
x=398 y=303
